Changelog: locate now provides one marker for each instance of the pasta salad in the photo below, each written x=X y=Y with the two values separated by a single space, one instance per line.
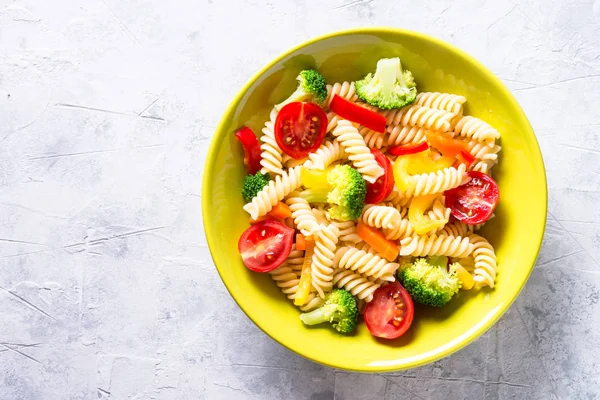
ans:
x=366 y=196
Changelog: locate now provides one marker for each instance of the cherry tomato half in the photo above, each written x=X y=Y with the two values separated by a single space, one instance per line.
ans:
x=252 y=153
x=390 y=313
x=383 y=186
x=265 y=245
x=475 y=201
x=300 y=129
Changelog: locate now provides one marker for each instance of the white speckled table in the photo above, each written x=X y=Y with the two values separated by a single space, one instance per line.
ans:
x=107 y=288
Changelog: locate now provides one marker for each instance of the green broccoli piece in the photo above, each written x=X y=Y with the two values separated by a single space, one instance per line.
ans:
x=254 y=184
x=340 y=309
x=311 y=86
x=345 y=190
x=390 y=87
x=429 y=281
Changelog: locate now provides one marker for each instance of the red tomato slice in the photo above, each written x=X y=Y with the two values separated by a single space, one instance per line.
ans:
x=355 y=113
x=265 y=245
x=390 y=313
x=300 y=129
x=407 y=149
x=475 y=201
x=383 y=186
x=251 y=146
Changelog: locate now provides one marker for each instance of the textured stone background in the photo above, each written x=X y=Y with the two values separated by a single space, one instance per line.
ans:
x=106 y=283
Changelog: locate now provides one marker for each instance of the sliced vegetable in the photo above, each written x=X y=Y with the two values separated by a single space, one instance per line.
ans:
x=407 y=149
x=305 y=283
x=475 y=201
x=251 y=146
x=466 y=158
x=281 y=211
x=376 y=239
x=416 y=211
x=355 y=113
x=447 y=145
x=466 y=279
x=383 y=186
x=300 y=242
x=266 y=245
x=390 y=313
x=314 y=178
x=300 y=129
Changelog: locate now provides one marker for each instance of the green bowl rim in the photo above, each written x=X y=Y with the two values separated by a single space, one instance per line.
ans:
x=211 y=158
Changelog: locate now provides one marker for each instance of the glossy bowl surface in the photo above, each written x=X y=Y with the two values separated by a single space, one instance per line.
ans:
x=516 y=232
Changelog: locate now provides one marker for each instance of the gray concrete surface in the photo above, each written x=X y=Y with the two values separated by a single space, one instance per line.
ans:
x=107 y=289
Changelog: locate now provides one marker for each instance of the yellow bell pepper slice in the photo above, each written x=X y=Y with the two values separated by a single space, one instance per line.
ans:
x=416 y=214
x=419 y=163
x=465 y=277
x=305 y=284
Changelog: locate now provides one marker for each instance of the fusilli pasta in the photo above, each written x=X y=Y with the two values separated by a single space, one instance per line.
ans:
x=358 y=152
x=326 y=154
x=274 y=192
x=271 y=154
x=304 y=219
x=322 y=260
x=423 y=117
x=421 y=246
x=477 y=129
x=485 y=261
x=355 y=283
x=365 y=263
x=381 y=216
x=442 y=101
x=436 y=182
x=400 y=134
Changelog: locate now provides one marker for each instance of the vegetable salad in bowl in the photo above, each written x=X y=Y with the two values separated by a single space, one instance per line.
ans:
x=365 y=197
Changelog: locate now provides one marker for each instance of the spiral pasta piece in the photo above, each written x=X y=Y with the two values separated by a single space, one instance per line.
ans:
x=274 y=192
x=477 y=129
x=367 y=264
x=381 y=216
x=442 y=101
x=358 y=152
x=402 y=230
x=326 y=154
x=484 y=167
x=483 y=151
x=400 y=134
x=322 y=261
x=436 y=182
x=456 y=228
x=271 y=154
x=374 y=140
x=302 y=214
x=286 y=276
x=434 y=245
x=332 y=121
x=344 y=89
x=355 y=283
x=347 y=231
x=423 y=117
x=485 y=261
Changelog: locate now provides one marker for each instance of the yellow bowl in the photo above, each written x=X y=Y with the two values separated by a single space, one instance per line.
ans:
x=516 y=232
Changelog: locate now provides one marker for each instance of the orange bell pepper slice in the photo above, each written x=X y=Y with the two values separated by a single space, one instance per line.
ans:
x=376 y=239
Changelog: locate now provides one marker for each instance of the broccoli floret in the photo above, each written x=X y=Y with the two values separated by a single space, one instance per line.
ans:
x=340 y=309
x=254 y=184
x=389 y=87
x=311 y=86
x=345 y=191
x=430 y=284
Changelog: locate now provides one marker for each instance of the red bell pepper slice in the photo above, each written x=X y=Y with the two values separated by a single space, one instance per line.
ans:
x=251 y=146
x=407 y=149
x=355 y=113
